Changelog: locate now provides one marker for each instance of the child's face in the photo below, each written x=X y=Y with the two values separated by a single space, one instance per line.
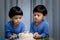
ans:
x=17 y=19
x=38 y=17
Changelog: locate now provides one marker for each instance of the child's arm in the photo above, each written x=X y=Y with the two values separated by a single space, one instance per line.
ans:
x=23 y=28
x=46 y=31
x=8 y=34
x=31 y=28
x=7 y=31
x=44 y=34
x=37 y=36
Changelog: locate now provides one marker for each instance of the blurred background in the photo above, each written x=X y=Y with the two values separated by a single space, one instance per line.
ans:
x=53 y=7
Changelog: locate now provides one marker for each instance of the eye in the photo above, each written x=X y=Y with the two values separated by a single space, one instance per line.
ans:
x=38 y=15
x=34 y=14
x=16 y=18
x=20 y=17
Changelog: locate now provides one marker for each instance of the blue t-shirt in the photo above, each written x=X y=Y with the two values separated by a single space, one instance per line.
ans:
x=41 y=29
x=9 y=29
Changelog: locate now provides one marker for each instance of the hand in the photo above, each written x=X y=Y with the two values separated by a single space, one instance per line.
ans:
x=13 y=36
x=36 y=35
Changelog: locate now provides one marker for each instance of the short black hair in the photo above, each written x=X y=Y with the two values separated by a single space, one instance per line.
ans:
x=15 y=11
x=41 y=9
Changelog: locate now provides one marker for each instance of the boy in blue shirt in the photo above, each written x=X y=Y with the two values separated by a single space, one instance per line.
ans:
x=15 y=25
x=39 y=27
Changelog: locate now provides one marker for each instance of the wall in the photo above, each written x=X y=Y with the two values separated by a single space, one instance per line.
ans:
x=25 y=6
x=2 y=17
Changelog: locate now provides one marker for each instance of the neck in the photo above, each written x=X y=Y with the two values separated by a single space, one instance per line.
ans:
x=38 y=23
x=15 y=25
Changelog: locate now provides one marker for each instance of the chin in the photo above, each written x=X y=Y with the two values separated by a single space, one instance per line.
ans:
x=17 y=23
x=36 y=21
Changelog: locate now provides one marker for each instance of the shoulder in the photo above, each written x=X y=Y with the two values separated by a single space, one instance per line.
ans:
x=8 y=23
x=45 y=23
x=21 y=24
x=32 y=23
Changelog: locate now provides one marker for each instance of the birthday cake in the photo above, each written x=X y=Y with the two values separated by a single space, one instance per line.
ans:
x=26 y=36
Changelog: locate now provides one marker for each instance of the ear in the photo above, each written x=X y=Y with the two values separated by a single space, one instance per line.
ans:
x=45 y=16
x=11 y=18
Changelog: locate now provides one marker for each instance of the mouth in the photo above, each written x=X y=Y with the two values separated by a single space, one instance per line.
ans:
x=17 y=22
x=36 y=19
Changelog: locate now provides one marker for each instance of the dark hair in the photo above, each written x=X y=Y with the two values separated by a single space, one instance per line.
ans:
x=41 y=9
x=15 y=11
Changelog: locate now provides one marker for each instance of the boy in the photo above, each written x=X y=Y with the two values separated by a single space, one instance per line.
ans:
x=39 y=27
x=15 y=25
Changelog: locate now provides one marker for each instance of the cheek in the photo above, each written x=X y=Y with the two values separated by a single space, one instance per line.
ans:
x=15 y=21
x=19 y=20
x=40 y=18
x=34 y=17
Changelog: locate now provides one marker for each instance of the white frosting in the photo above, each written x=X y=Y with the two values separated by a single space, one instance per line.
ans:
x=26 y=36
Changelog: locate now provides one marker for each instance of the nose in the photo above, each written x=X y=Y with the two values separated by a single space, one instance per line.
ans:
x=18 y=20
x=36 y=16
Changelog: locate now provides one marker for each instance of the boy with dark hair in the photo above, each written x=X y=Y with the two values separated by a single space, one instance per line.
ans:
x=39 y=27
x=15 y=25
